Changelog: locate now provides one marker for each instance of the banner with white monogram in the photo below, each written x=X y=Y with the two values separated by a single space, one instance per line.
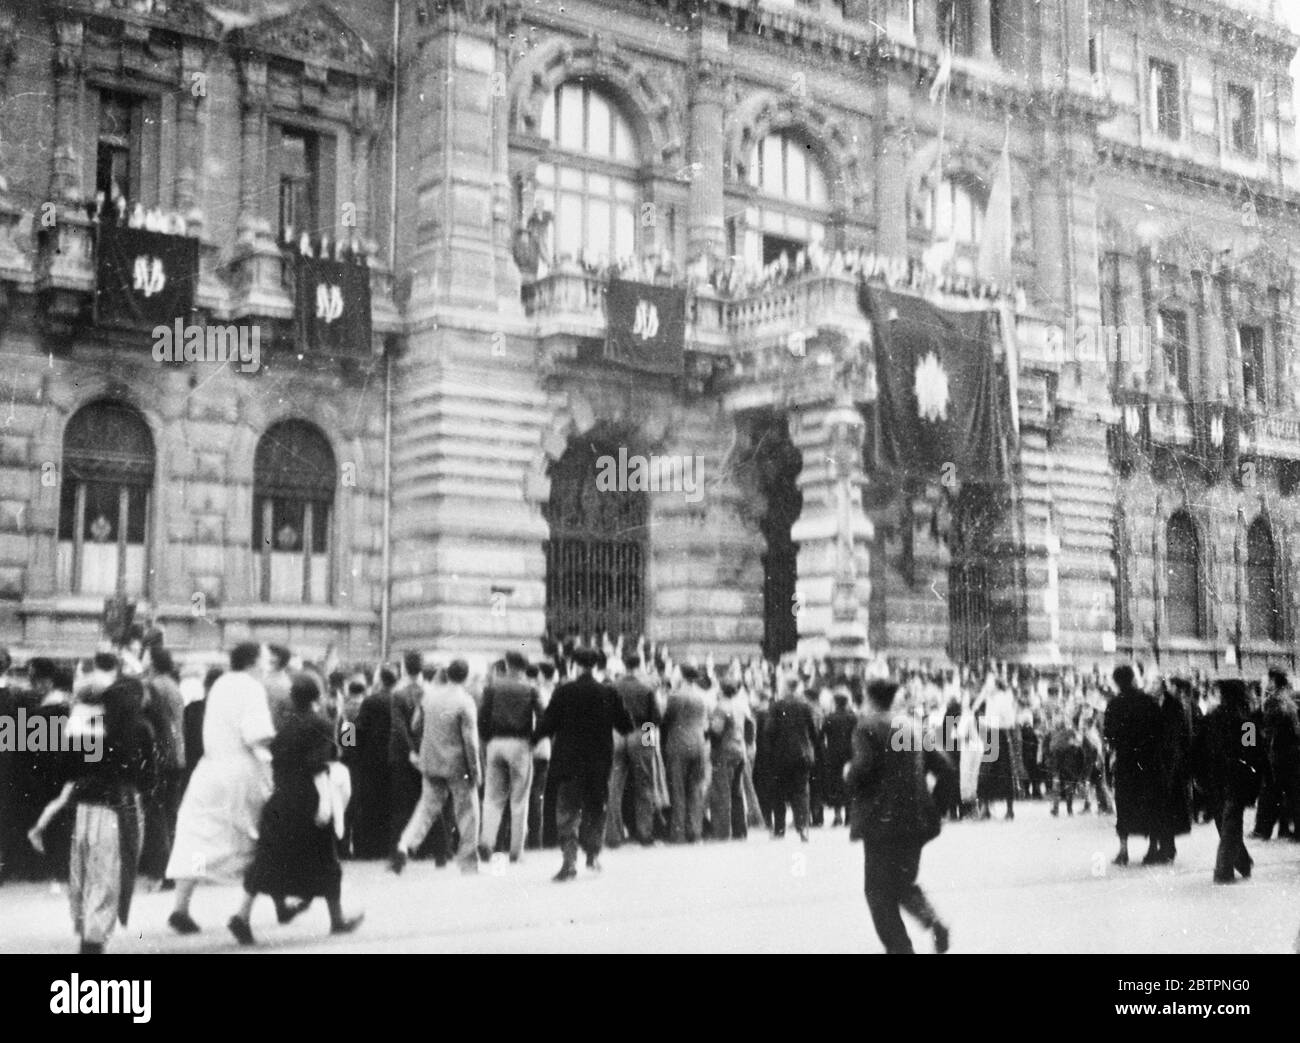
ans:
x=144 y=278
x=647 y=326
x=332 y=307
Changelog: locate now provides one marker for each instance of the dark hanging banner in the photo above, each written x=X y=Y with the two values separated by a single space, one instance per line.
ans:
x=647 y=327
x=937 y=386
x=143 y=278
x=1133 y=432
x=1217 y=431
x=332 y=307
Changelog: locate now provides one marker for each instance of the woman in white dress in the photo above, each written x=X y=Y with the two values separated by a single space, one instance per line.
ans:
x=216 y=831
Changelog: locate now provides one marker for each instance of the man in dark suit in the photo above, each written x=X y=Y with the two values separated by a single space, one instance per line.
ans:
x=634 y=756
x=894 y=816
x=1133 y=732
x=582 y=717
x=791 y=742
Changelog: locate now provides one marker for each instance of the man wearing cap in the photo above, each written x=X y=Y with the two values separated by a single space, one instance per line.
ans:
x=581 y=718
x=892 y=813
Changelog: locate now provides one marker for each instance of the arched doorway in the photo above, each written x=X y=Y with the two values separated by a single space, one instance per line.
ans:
x=777 y=463
x=596 y=553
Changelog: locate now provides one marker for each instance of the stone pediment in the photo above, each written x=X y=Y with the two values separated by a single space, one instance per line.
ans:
x=314 y=34
x=183 y=16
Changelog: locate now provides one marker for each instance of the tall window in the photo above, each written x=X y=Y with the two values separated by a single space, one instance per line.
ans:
x=792 y=199
x=596 y=553
x=1251 y=342
x=108 y=467
x=1123 y=589
x=588 y=178
x=1172 y=333
x=1263 y=605
x=302 y=173
x=1166 y=110
x=293 y=500
x=1241 y=119
x=1183 y=615
x=118 y=146
x=952 y=212
x=957 y=25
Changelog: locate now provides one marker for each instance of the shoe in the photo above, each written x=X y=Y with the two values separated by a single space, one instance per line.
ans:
x=568 y=871
x=593 y=863
x=803 y=835
x=183 y=923
x=1121 y=859
x=1245 y=873
x=485 y=853
x=941 y=938
x=1055 y=812
x=240 y=928
x=514 y=859
x=287 y=912
x=347 y=926
x=397 y=862
x=91 y=948
x=1257 y=835
x=778 y=834
x=1224 y=879
x=167 y=885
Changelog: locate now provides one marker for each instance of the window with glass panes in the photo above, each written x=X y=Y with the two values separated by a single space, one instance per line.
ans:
x=792 y=199
x=952 y=212
x=1171 y=329
x=293 y=499
x=117 y=156
x=1166 y=108
x=1241 y=119
x=1251 y=341
x=104 y=502
x=587 y=178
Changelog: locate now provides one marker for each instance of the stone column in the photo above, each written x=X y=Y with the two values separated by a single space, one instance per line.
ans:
x=66 y=179
x=252 y=137
x=363 y=137
x=833 y=533
x=982 y=27
x=185 y=197
x=707 y=234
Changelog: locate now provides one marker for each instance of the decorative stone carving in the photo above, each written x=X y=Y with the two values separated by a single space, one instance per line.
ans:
x=311 y=34
x=653 y=100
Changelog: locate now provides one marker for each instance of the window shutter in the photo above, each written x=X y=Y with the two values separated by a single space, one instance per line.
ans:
x=146 y=148
x=271 y=210
x=89 y=137
x=327 y=204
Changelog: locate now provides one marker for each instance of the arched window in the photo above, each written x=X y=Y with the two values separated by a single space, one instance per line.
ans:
x=108 y=466
x=1183 y=615
x=587 y=179
x=791 y=199
x=596 y=553
x=1263 y=605
x=953 y=212
x=293 y=501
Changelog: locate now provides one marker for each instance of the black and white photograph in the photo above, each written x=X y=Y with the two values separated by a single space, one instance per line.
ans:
x=650 y=477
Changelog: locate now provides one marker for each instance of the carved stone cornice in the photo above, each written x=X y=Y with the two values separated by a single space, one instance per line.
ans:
x=186 y=17
x=315 y=35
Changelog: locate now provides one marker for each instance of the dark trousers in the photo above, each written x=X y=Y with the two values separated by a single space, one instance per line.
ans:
x=161 y=807
x=1232 y=852
x=889 y=879
x=1279 y=802
x=789 y=784
x=580 y=814
x=537 y=834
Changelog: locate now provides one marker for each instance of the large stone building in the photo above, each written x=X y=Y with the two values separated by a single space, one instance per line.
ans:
x=432 y=479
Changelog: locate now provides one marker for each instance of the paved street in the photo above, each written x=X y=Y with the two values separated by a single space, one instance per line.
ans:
x=1037 y=884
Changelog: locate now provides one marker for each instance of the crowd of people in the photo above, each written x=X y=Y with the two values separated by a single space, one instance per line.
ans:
x=269 y=771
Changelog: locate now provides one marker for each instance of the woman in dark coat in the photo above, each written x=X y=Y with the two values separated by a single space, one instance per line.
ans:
x=1175 y=770
x=295 y=857
x=1133 y=732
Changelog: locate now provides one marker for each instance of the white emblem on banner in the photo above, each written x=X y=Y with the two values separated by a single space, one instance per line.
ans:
x=329 y=302
x=646 y=323
x=931 y=389
x=148 y=276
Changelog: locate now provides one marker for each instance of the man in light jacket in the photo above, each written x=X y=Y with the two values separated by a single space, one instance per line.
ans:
x=449 y=763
